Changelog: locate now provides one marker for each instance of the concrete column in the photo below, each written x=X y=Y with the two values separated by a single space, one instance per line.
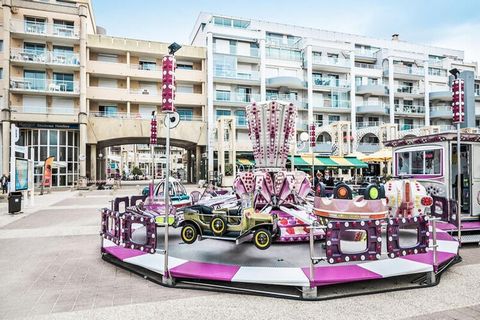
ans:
x=310 y=88
x=93 y=162
x=391 y=90
x=82 y=117
x=7 y=15
x=353 y=101
x=233 y=146
x=427 y=95
x=263 y=76
x=221 y=147
x=128 y=59
x=128 y=109
x=189 y=167
x=210 y=118
x=198 y=162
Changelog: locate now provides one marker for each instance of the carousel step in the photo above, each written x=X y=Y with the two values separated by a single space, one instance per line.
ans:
x=470 y=238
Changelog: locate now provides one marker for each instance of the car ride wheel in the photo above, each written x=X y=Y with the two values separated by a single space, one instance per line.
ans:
x=262 y=239
x=189 y=233
x=218 y=226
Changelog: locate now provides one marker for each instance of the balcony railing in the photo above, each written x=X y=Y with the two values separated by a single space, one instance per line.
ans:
x=145 y=92
x=233 y=50
x=406 y=109
x=236 y=97
x=371 y=53
x=366 y=65
x=368 y=124
x=135 y=115
x=44 y=85
x=331 y=61
x=419 y=71
x=45 y=57
x=477 y=92
x=335 y=104
x=367 y=147
x=407 y=89
x=43 y=28
x=44 y=110
x=146 y=67
x=405 y=127
x=237 y=74
x=329 y=83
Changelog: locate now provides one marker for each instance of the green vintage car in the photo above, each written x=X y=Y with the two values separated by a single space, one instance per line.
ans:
x=235 y=224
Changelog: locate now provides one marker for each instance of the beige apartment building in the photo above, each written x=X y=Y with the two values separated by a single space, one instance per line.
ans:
x=74 y=91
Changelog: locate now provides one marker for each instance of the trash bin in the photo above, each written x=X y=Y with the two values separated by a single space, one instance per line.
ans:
x=14 y=202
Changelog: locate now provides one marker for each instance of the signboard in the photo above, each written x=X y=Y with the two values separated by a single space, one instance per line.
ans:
x=21 y=174
x=47 y=172
x=37 y=125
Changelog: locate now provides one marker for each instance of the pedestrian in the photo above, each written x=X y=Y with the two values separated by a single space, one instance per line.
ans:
x=4 y=181
x=328 y=179
x=318 y=179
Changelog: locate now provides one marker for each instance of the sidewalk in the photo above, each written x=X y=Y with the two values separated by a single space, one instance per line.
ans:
x=40 y=202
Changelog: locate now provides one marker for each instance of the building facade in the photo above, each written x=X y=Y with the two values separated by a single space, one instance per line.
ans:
x=75 y=92
x=78 y=94
x=358 y=91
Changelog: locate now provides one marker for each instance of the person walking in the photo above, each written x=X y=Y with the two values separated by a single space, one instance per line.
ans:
x=4 y=181
x=328 y=179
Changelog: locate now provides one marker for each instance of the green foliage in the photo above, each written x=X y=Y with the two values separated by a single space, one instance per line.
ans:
x=136 y=171
x=229 y=169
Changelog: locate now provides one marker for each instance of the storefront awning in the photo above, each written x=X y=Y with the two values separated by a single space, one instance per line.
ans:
x=328 y=162
x=245 y=162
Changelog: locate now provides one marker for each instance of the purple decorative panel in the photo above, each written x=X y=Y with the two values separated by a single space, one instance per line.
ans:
x=133 y=222
x=417 y=225
x=342 y=237
x=118 y=201
x=111 y=225
x=135 y=199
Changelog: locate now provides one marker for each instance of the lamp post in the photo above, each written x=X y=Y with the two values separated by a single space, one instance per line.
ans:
x=300 y=145
x=458 y=112
x=168 y=107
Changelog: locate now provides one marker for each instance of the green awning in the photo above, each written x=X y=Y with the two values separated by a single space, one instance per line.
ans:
x=328 y=162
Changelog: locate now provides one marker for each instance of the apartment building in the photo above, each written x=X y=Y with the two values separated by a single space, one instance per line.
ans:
x=359 y=91
x=74 y=92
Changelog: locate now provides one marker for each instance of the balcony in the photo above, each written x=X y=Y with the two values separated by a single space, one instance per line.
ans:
x=440 y=94
x=145 y=96
x=372 y=89
x=288 y=98
x=52 y=59
x=331 y=64
x=367 y=148
x=44 y=30
x=329 y=84
x=189 y=99
x=253 y=55
x=44 y=114
x=441 y=112
x=407 y=127
x=108 y=94
x=407 y=91
x=286 y=81
x=369 y=55
x=237 y=76
x=333 y=105
x=145 y=72
x=368 y=124
x=323 y=147
x=374 y=109
x=234 y=99
x=44 y=86
x=407 y=72
x=410 y=110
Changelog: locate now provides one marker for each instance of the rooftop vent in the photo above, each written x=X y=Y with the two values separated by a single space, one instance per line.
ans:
x=395 y=37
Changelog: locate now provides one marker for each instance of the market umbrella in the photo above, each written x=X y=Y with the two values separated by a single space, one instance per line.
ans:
x=382 y=155
x=358 y=155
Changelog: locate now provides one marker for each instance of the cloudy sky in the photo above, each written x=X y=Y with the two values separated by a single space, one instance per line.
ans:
x=451 y=24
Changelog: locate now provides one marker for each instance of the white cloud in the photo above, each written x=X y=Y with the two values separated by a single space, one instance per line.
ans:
x=464 y=37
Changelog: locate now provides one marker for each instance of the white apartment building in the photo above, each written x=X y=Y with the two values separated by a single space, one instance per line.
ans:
x=359 y=91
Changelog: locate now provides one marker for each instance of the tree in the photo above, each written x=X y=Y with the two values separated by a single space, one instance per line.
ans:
x=136 y=171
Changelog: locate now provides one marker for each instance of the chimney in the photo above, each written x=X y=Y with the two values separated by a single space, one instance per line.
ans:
x=395 y=37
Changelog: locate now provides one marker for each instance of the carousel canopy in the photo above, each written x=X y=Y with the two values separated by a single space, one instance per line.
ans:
x=328 y=162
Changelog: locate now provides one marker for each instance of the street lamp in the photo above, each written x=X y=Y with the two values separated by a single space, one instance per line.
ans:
x=304 y=137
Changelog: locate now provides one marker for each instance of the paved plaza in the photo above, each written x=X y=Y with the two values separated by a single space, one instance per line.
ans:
x=50 y=267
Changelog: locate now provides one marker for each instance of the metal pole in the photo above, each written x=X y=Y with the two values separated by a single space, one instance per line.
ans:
x=312 y=275
x=459 y=168
x=313 y=166
x=434 y=240
x=167 y=198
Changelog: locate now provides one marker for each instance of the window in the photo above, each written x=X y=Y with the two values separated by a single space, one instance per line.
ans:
x=358 y=81
x=419 y=162
x=184 y=66
x=107 y=57
x=184 y=88
x=333 y=118
x=1 y=45
x=220 y=113
x=240 y=115
x=64 y=55
x=185 y=114
x=63 y=82
x=63 y=28
x=1 y=73
x=244 y=94
x=222 y=95
x=373 y=81
x=35 y=49
x=147 y=65
x=108 y=111
x=35 y=25
x=34 y=80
